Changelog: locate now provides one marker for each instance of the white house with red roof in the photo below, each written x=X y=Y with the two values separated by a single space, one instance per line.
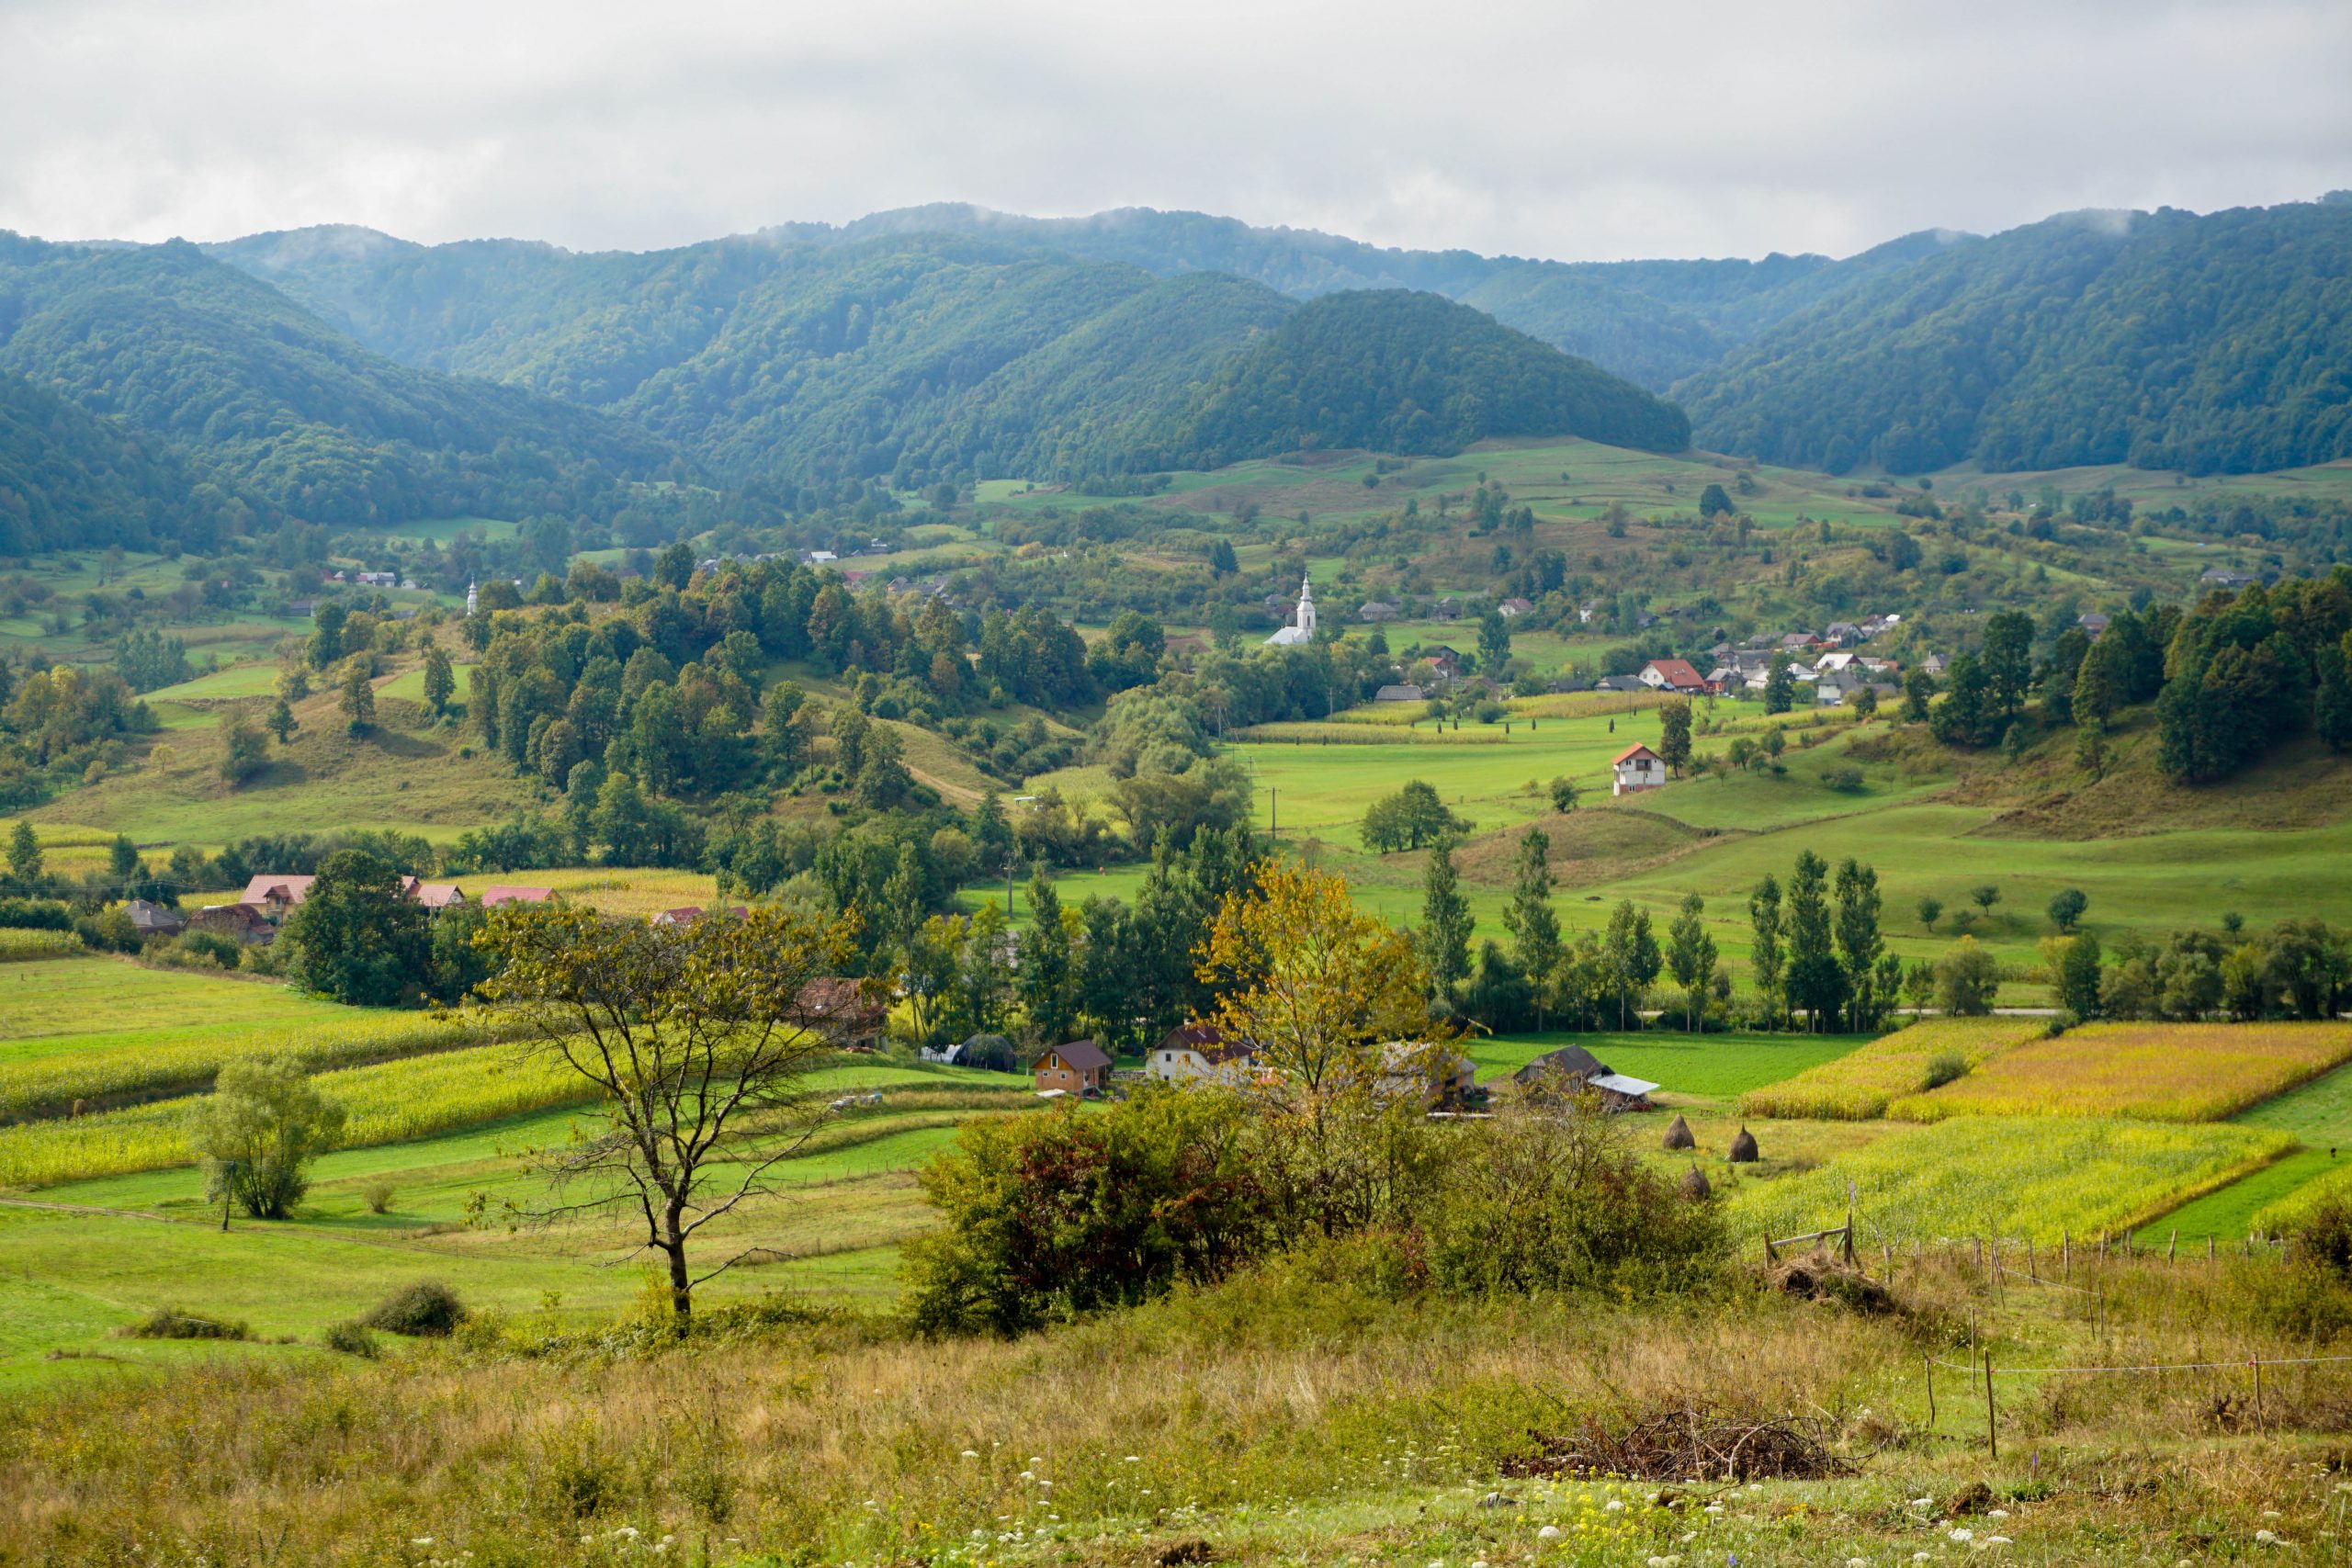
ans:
x=1638 y=768
x=1672 y=675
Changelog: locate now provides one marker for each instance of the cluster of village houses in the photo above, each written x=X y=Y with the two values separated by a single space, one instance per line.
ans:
x=1439 y=1075
x=258 y=912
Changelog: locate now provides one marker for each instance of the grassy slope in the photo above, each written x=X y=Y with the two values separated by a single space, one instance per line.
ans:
x=74 y=1004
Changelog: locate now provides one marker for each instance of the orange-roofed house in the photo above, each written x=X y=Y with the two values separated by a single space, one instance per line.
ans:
x=1673 y=675
x=1638 y=768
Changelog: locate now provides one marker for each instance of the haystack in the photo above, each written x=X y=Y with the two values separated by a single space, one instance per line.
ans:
x=1678 y=1136
x=1743 y=1149
x=1695 y=1185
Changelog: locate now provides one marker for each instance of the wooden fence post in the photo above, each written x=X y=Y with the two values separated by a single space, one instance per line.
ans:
x=1992 y=1416
x=2172 y=1247
x=2066 y=1254
x=2208 y=1249
x=1928 y=1365
x=2257 y=1392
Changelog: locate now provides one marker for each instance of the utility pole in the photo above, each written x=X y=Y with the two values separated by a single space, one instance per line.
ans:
x=1274 y=812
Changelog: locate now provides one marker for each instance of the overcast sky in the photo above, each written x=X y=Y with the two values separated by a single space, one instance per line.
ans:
x=1552 y=128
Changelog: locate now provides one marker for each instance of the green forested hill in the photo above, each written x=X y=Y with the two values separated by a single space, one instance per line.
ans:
x=2214 y=343
x=258 y=394
x=486 y=308
x=787 y=358
x=1398 y=371
x=73 y=480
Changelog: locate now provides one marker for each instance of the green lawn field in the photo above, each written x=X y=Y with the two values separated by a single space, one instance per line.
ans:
x=74 y=1004
x=1700 y=1068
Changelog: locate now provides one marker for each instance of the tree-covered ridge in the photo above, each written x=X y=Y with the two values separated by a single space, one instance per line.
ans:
x=795 y=359
x=1413 y=373
x=2214 y=343
x=269 y=401
x=72 y=480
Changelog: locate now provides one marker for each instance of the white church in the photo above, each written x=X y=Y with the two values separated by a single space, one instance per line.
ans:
x=1301 y=630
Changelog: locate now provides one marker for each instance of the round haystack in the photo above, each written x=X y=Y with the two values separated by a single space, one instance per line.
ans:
x=1695 y=1185
x=1743 y=1149
x=1678 y=1136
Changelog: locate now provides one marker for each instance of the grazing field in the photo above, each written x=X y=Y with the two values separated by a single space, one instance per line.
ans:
x=1859 y=1085
x=1684 y=1066
x=77 y=1003
x=2029 y=1177
x=2159 y=1072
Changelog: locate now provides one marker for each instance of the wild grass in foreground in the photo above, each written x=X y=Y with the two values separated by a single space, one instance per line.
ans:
x=2164 y=1072
x=1298 y=1414
x=1860 y=1087
x=2027 y=1177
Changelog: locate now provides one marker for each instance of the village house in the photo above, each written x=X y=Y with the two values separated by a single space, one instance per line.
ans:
x=150 y=918
x=501 y=893
x=2093 y=623
x=687 y=914
x=839 y=1007
x=1196 y=1051
x=1572 y=1070
x=1514 y=607
x=1672 y=675
x=1445 y=609
x=2228 y=577
x=1077 y=1067
x=1406 y=693
x=1445 y=661
x=1438 y=1076
x=1376 y=610
x=1636 y=768
x=273 y=896
x=242 y=922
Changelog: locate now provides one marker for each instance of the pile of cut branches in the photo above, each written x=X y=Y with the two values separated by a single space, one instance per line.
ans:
x=1694 y=1440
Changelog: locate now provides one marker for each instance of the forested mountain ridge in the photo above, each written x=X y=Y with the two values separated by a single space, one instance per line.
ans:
x=70 y=479
x=1399 y=371
x=456 y=307
x=919 y=355
x=2220 y=342
x=275 y=408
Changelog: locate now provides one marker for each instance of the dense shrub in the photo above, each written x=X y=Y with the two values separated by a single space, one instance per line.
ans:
x=1943 y=1068
x=427 y=1310
x=1055 y=1215
x=352 y=1339
x=37 y=914
x=170 y=1322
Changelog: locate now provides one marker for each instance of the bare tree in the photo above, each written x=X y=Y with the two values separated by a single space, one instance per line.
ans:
x=696 y=1037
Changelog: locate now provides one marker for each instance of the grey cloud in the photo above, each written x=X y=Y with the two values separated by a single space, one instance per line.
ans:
x=1531 y=127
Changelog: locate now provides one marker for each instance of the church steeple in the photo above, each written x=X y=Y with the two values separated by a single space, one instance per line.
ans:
x=1305 y=606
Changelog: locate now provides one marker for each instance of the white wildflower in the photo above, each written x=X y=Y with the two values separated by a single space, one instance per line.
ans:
x=2268 y=1537
x=1963 y=1535
x=2269 y=1513
x=1614 y=1506
x=971 y=1453
x=1998 y=1514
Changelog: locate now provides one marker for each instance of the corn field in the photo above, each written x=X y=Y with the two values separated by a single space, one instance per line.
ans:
x=50 y=1084
x=2029 y=1177
x=2159 y=1072
x=19 y=946
x=389 y=1103
x=1862 y=1085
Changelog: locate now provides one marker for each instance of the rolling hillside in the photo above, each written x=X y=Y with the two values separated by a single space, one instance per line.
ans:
x=267 y=400
x=786 y=359
x=2212 y=343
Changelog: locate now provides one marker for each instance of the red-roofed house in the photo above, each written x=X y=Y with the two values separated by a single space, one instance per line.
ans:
x=1673 y=675
x=502 y=894
x=1638 y=768
x=273 y=896
x=838 y=1006
x=1196 y=1051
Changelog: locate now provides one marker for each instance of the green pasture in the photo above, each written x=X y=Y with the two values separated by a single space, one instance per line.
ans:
x=441 y=530
x=409 y=686
x=1686 y=1067
x=65 y=1004
x=2320 y=1113
x=238 y=681
x=79 y=1260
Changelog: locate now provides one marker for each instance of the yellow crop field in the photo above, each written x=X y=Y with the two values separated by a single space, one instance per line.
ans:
x=126 y=1065
x=18 y=946
x=389 y=1103
x=617 y=891
x=1860 y=1085
x=2030 y=1177
x=2157 y=1072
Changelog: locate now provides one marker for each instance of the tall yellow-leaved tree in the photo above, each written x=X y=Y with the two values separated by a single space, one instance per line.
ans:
x=1332 y=1006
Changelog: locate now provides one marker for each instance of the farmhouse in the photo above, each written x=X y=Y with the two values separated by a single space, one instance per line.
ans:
x=1406 y=693
x=1573 y=1069
x=840 y=1008
x=152 y=919
x=1514 y=607
x=1636 y=768
x=1436 y=1075
x=1196 y=1051
x=245 y=922
x=1078 y=1066
x=1376 y=610
x=273 y=895
x=1672 y=675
